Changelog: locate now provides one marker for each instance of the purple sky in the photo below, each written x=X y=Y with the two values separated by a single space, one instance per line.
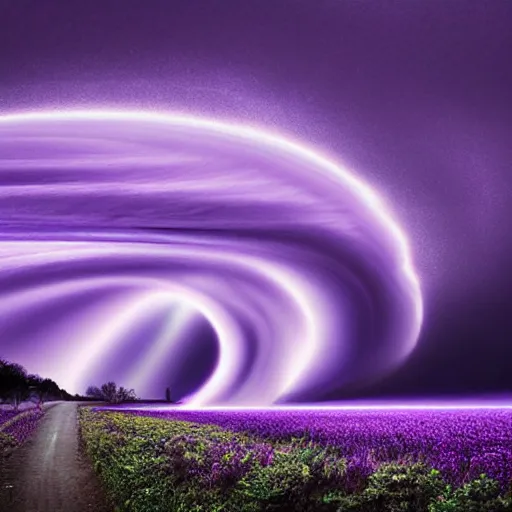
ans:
x=415 y=98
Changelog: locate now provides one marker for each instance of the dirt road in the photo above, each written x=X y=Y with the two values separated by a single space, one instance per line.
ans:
x=49 y=473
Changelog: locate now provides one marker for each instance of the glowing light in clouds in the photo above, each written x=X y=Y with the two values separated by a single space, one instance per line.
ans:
x=296 y=263
x=180 y=316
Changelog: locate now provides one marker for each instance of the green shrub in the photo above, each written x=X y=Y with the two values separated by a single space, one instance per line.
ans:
x=281 y=485
x=396 y=488
x=480 y=495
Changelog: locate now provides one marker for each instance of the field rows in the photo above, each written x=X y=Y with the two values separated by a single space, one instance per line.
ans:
x=462 y=444
x=302 y=461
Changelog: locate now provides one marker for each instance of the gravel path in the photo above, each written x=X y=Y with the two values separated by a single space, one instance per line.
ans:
x=49 y=473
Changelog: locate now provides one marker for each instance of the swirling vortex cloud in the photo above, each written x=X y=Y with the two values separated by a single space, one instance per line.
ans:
x=295 y=262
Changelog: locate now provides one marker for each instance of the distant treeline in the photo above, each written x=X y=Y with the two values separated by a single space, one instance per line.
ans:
x=18 y=386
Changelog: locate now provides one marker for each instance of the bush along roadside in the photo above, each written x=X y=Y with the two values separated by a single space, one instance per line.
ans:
x=154 y=465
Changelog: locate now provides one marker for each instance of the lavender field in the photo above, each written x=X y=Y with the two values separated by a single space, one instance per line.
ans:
x=7 y=415
x=302 y=460
x=461 y=444
x=16 y=426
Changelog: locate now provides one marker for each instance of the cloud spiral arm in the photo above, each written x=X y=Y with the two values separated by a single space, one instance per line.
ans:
x=296 y=264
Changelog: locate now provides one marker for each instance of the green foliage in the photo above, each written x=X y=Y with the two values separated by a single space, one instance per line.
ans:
x=480 y=495
x=282 y=485
x=296 y=480
x=397 y=488
x=154 y=465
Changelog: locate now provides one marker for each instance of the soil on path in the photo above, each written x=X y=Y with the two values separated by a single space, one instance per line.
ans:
x=49 y=473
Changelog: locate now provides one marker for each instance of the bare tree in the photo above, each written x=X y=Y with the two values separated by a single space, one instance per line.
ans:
x=109 y=392
x=94 y=392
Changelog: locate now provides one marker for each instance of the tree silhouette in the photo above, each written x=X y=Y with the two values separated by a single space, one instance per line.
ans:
x=14 y=385
x=94 y=392
x=109 y=392
x=42 y=390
